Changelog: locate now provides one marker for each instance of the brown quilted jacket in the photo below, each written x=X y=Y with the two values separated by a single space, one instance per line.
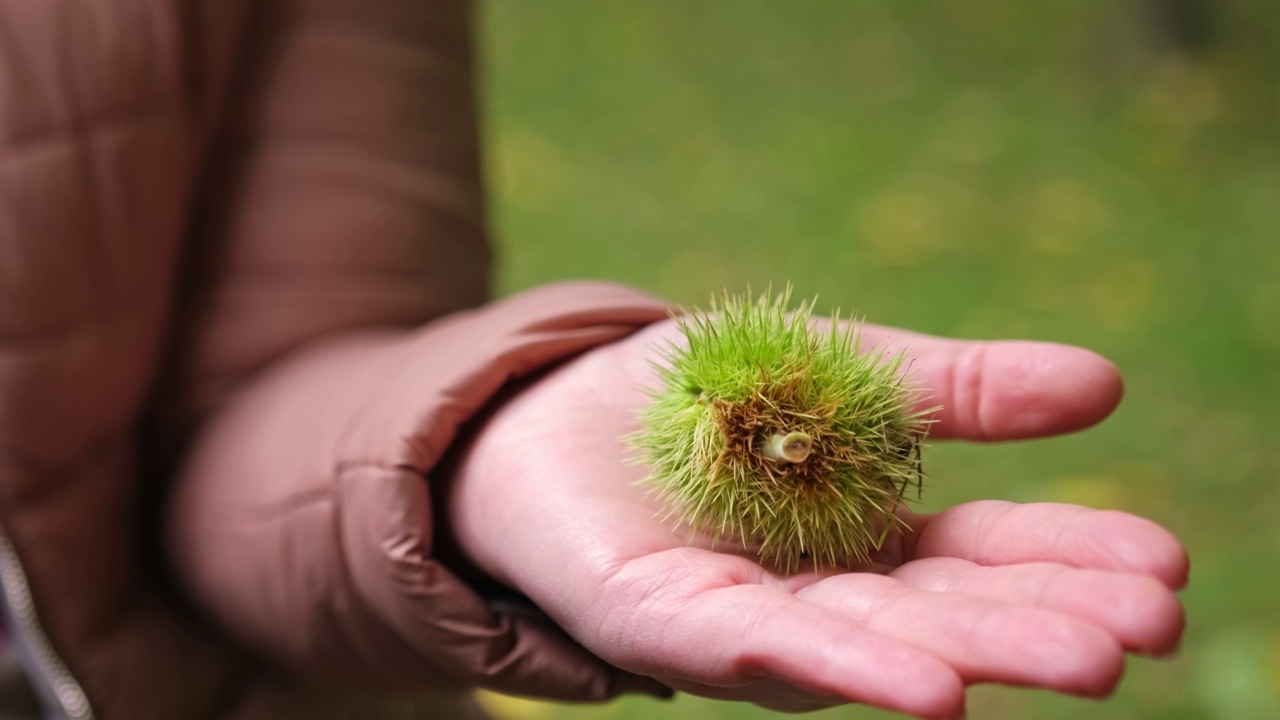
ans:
x=237 y=244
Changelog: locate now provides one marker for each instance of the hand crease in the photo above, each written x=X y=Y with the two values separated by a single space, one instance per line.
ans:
x=970 y=368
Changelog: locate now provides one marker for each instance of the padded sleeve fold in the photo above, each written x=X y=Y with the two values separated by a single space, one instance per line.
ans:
x=303 y=520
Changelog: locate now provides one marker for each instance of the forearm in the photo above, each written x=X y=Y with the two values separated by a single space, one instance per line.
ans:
x=303 y=521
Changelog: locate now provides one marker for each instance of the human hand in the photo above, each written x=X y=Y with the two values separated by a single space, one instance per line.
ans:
x=1040 y=595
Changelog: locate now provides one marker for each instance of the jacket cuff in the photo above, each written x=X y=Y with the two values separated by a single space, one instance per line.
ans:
x=303 y=522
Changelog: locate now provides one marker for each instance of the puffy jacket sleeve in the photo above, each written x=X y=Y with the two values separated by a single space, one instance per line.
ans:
x=304 y=519
x=343 y=187
x=326 y=361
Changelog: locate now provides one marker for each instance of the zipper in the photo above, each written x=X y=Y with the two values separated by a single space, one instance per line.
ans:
x=56 y=681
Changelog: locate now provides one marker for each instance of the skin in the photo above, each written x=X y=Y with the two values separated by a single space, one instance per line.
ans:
x=1039 y=595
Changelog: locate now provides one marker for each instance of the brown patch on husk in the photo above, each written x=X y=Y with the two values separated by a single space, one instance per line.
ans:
x=746 y=427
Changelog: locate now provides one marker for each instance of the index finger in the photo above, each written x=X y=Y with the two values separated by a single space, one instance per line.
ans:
x=1005 y=390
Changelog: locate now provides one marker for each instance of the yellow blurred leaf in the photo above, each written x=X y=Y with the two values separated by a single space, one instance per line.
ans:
x=1094 y=491
x=506 y=707
x=901 y=228
x=1062 y=216
x=525 y=166
x=1121 y=293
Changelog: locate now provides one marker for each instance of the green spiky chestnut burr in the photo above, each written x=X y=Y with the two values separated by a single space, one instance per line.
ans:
x=784 y=438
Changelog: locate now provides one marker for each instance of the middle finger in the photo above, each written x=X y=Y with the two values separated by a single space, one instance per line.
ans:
x=985 y=640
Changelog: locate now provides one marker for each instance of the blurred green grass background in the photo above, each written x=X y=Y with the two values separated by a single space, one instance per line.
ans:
x=1056 y=171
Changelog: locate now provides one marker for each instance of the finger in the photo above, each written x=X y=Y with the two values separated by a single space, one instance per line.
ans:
x=1005 y=390
x=985 y=640
x=1139 y=611
x=740 y=636
x=1002 y=533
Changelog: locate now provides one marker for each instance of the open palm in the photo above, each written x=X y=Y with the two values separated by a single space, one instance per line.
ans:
x=1039 y=595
